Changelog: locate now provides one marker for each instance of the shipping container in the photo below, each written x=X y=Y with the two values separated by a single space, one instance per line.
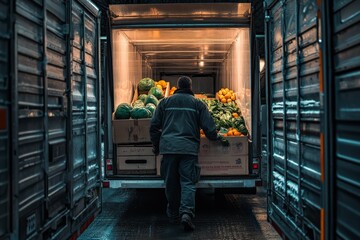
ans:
x=312 y=57
x=341 y=109
x=213 y=44
x=50 y=101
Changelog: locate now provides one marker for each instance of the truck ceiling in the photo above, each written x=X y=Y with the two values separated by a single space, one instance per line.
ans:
x=193 y=38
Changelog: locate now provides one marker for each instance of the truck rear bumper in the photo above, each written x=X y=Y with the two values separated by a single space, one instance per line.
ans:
x=158 y=183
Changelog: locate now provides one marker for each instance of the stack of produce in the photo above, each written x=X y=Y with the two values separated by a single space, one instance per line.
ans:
x=161 y=84
x=225 y=95
x=172 y=90
x=144 y=107
x=145 y=104
x=227 y=117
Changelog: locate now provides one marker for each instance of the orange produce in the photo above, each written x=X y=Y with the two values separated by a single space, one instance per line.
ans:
x=227 y=94
x=237 y=133
x=162 y=83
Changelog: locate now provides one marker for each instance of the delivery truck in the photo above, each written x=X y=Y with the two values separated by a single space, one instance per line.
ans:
x=213 y=44
x=313 y=50
x=50 y=103
x=50 y=147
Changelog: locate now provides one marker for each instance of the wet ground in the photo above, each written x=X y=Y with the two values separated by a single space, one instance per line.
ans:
x=140 y=214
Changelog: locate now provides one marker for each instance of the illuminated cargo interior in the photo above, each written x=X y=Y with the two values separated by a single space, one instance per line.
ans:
x=214 y=57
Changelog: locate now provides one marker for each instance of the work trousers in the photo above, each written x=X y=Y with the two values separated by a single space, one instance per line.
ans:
x=181 y=172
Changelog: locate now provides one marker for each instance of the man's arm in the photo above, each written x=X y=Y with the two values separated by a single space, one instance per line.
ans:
x=156 y=127
x=207 y=122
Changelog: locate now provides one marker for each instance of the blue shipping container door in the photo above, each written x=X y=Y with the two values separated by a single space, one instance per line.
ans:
x=346 y=66
x=85 y=111
x=294 y=145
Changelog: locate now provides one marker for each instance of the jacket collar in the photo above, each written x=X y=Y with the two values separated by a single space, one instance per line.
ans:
x=184 y=90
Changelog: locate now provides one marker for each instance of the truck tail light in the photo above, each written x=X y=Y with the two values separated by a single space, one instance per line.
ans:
x=3 y=119
x=109 y=165
x=255 y=166
x=106 y=184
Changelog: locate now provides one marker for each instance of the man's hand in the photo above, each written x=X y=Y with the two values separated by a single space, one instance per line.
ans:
x=156 y=150
x=223 y=141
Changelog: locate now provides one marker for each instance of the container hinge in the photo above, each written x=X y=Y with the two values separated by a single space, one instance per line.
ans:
x=267 y=18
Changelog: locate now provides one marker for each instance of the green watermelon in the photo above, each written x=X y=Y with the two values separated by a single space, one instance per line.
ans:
x=151 y=107
x=151 y=99
x=157 y=92
x=138 y=103
x=138 y=113
x=145 y=84
x=123 y=111
x=142 y=97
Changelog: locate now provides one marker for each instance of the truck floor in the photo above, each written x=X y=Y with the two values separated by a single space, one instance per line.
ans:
x=140 y=214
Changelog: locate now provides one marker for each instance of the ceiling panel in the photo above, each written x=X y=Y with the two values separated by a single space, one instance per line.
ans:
x=187 y=48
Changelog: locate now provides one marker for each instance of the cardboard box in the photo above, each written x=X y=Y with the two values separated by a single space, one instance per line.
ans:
x=127 y=131
x=238 y=146
x=135 y=150
x=224 y=166
x=136 y=164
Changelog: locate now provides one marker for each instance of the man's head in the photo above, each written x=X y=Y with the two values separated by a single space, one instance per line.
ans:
x=184 y=82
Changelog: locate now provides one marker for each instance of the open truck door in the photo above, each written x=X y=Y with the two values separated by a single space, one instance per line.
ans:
x=294 y=186
x=50 y=119
x=313 y=118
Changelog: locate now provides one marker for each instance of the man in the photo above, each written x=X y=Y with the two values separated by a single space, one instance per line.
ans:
x=175 y=133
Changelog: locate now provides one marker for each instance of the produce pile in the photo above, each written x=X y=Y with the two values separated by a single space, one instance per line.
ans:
x=145 y=105
x=172 y=90
x=225 y=95
x=161 y=84
x=227 y=117
x=224 y=110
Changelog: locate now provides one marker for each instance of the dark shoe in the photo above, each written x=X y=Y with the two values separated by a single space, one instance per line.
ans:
x=187 y=223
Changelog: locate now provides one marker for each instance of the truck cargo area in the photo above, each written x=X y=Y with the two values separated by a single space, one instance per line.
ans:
x=211 y=44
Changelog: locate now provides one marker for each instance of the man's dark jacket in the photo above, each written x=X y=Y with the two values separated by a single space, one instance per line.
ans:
x=175 y=126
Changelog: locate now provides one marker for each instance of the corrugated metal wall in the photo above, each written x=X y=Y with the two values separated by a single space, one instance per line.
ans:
x=85 y=109
x=31 y=107
x=293 y=82
x=5 y=124
x=346 y=62
x=56 y=155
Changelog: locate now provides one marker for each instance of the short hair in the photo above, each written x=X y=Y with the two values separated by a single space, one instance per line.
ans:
x=184 y=82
